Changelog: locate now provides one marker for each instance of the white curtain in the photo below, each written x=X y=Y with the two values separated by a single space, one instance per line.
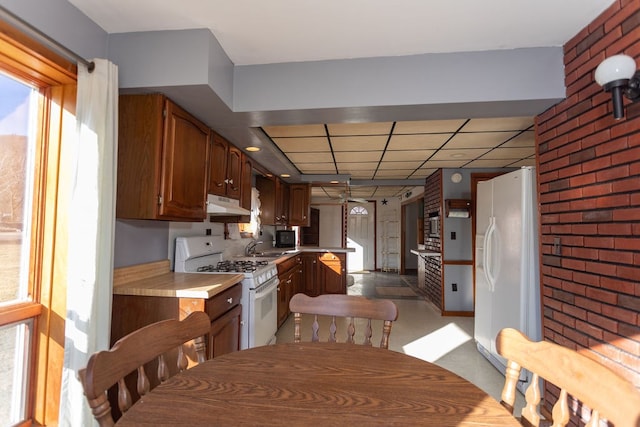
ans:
x=91 y=231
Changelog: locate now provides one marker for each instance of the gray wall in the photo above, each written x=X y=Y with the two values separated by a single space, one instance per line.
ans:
x=64 y=23
x=191 y=67
x=411 y=235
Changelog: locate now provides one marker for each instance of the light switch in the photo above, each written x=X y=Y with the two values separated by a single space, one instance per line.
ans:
x=557 y=247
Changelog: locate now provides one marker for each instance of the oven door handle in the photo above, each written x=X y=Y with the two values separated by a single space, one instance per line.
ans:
x=266 y=287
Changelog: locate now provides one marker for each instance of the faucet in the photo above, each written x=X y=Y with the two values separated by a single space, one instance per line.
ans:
x=250 y=249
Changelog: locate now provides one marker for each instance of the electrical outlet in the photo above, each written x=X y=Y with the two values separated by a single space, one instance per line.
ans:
x=557 y=246
x=453 y=235
x=207 y=232
x=454 y=287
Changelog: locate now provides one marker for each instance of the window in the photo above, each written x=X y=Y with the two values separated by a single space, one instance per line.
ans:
x=358 y=210
x=18 y=103
x=37 y=112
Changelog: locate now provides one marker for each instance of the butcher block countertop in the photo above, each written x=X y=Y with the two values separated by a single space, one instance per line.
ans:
x=157 y=280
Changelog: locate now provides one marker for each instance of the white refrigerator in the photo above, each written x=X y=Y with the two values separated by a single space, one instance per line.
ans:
x=506 y=262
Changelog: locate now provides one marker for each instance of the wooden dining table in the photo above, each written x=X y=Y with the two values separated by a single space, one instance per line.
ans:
x=320 y=384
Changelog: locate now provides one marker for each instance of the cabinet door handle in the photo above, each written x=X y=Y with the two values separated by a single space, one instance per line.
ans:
x=230 y=300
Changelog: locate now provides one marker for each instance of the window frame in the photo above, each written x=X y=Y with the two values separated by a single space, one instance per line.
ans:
x=56 y=80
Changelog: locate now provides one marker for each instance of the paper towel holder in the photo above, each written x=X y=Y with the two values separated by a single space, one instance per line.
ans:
x=458 y=208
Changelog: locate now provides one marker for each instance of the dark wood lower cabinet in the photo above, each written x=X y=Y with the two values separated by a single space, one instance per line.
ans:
x=289 y=275
x=225 y=333
x=332 y=273
x=309 y=280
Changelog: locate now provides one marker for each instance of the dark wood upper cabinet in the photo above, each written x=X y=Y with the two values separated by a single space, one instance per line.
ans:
x=163 y=154
x=299 y=207
x=226 y=168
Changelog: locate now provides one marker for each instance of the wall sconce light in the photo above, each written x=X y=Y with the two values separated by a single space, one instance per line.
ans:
x=617 y=74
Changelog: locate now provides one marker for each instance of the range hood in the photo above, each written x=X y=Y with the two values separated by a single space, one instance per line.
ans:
x=218 y=205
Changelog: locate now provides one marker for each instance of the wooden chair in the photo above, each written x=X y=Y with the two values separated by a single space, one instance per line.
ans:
x=349 y=306
x=132 y=352
x=601 y=390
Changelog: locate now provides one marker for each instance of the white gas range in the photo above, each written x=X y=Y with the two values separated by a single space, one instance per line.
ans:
x=204 y=255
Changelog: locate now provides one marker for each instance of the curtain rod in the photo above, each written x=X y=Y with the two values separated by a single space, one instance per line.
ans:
x=43 y=38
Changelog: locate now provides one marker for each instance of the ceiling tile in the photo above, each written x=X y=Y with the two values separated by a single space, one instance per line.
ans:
x=418 y=142
x=346 y=167
x=453 y=163
x=310 y=157
x=359 y=143
x=508 y=153
x=394 y=173
x=317 y=168
x=294 y=131
x=478 y=140
x=422 y=173
x=465 y=154
x=401 y=165
x=327 y=191
x=358 y=156
x=428 y=126
x=489 y=163
x=498 y=124
x=381 y=128
x=302 y=145
x=406 y=155
x=526 y=139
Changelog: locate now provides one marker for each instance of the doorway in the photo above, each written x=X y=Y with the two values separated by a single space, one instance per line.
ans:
x=361 y=219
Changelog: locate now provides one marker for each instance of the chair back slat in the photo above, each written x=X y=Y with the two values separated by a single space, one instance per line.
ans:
x=350 y=307
x=598 y=388
x=132 y=352
x=532 y=397
x=124 y=396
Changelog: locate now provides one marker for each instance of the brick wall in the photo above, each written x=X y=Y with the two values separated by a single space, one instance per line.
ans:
x=433 y=265
x=589 y=191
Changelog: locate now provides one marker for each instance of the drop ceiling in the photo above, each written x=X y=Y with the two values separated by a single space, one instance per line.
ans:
x=405 y=150
x=367 y=149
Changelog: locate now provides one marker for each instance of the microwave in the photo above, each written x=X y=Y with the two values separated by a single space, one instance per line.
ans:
x=285 y=239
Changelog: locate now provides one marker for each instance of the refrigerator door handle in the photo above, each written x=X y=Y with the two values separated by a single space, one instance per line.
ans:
x=487 y=253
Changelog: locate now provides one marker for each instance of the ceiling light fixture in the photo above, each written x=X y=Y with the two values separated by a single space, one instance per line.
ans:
x=252 y=148
x=617 y=74
x=285 y=175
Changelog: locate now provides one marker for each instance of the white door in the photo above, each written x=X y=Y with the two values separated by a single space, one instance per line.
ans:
x=360 y=236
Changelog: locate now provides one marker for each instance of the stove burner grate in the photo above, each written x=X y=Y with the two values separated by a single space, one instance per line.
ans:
x=230 y=266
